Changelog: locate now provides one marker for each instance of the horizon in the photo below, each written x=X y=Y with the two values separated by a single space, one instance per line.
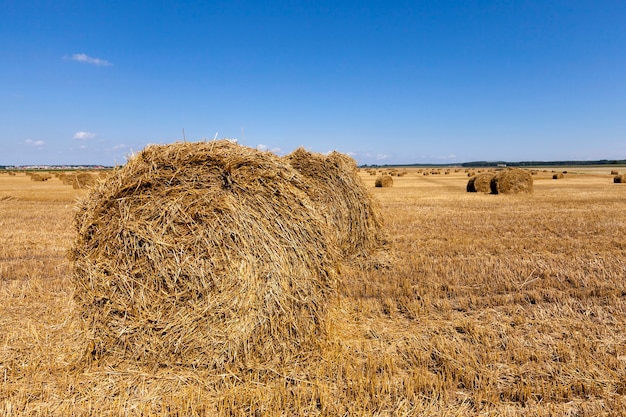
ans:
x=394 y=83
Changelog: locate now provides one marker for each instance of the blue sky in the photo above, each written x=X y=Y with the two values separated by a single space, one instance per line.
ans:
x=388 y=82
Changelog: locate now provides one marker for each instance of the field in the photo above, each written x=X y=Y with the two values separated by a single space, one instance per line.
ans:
x=494 y=305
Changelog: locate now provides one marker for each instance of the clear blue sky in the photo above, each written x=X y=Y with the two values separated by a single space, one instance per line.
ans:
x=87 y=82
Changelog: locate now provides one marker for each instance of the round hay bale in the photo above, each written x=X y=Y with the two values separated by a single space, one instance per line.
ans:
x=620 y=179
x=614 y=172
x=354 y=222
x=40 y=177
x=82 y=180
x=384 y=181
x=203 y=254
x=480 y=183
x=512 y=181
x=557 y=176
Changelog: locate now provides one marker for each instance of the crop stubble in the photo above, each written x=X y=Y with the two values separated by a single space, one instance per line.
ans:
x=496 y=305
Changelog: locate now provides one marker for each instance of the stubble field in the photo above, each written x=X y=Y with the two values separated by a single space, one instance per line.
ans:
x=494 y=305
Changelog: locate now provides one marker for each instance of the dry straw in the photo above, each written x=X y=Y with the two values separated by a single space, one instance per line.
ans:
x=205 y=254
x=40 y=177
x=354 y=222
x=384 y=181
x=78 y=180
x=512 y=181
x=480 y=183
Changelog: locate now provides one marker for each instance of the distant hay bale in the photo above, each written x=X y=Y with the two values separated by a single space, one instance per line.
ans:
x=353 y=216
x=78 y=180
x=620 y=179
x=614 y=172
x=512 y=181
x=557 y=176
x=480 y=183
x=83 y=180
x=204 y=254
x=39 y=177
x=384 y=181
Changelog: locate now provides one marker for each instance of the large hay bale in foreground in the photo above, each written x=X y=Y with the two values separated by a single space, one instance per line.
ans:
x=384 y=181
x=512 y=181
x=201 y=254
x=354 y=222
x=480 y=183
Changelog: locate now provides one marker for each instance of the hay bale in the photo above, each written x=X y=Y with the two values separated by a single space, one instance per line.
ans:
x=83 y=180
x=620 y=179
x=353 y=217
x=78 y=180
x=39 y=177
x=512 y=181
x=614 y=172
x=480 y=183
x=557 y=176
x=384 y=181
x=203 y=254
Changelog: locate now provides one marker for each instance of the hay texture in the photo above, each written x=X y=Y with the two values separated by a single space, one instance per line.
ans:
x=353 y=219
x=78 y=180
x=40 y=177
x=512 y=181
x=203 y=254
x=480 y=183
x=384 y=181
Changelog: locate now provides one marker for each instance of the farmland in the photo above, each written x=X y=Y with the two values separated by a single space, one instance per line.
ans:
x=508 y=305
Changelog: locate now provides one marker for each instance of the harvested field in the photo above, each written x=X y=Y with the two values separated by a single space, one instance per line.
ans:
x=520 y=312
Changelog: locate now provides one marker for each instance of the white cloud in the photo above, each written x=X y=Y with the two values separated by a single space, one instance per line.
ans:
x=265 y=148
x=121 y=146
x=382 y=156
x=89 y=60
x=84 y=135
x=35 y=143
x=351 y=154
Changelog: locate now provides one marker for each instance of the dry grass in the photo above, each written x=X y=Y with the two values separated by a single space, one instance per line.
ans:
x=509 y=305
